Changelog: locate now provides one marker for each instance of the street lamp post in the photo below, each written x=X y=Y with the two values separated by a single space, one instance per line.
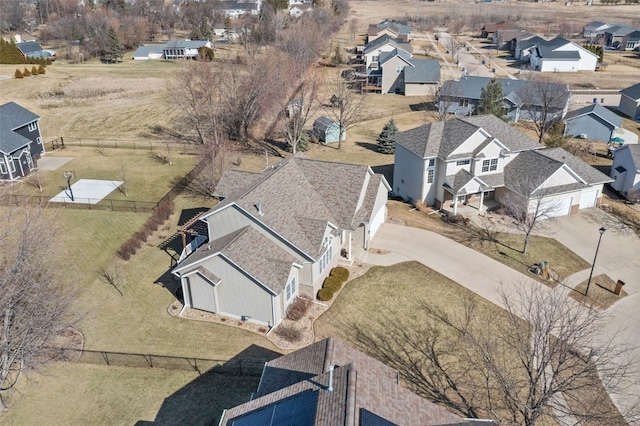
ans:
x=593 y=265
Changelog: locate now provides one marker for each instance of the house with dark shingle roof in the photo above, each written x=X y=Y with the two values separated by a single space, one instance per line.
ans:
x=397 y=30
x=561 y=55
x=593 y=29
x=397 y=72
x=630 y=101
x=481 y=161
x=20 y=141
x=372 y=51
x=330 y=383
x=276 y=235
x=521 y=99
x=626 y=168
x=593 y=122
x=183 y=49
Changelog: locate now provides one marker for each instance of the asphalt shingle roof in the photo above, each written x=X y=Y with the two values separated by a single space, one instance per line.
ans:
x=525 y=173
x=598 y=110
x=386 y=39
x=440 y=139
x=589 y=174
x=515 y=91
x=632 y=92
x=422 y=71
x=29 y=46
x=13 y=116
x=358 y=383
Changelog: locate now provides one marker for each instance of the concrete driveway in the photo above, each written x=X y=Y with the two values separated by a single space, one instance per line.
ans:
x=618 y=257
x=619 y=253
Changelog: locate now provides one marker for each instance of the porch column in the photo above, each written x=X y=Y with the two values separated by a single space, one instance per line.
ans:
x=481 y=201
x=455 y=204
x=349 y=250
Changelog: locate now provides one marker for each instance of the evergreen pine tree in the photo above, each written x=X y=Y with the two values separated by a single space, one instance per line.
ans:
x=113 y=48
x=386 y=138
x=491 y=99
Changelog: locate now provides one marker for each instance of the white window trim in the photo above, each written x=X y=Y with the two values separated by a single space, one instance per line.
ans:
x=430 y=175
x=489 y=165
x=463 y=162
x=32 y=126
x=3 y=167
x=39 y=140
x=12 y=166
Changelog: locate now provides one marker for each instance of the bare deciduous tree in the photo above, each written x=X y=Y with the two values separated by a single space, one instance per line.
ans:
x=33 y=304
x=114 y=276
x=347 y=106
x=527 y=204
x=36 y=180
x=546 y=357
x=300 y=109
x=544 y=100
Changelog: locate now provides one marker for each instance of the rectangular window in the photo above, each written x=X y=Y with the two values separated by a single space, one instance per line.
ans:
x=430 y=176
x=12 y=165
x=490 y=165
x=432 y=162
x=463 y=162
x=375 y=58
x=464 y=103
x=399 y=68
x=3 y=167
x=291 y=288
x=39 y=140
x=325 y=260
x=33 y=126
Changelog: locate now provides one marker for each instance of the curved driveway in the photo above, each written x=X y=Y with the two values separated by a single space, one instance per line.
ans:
x=619 y=257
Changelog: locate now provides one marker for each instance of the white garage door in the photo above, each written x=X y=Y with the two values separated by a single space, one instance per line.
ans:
x=556 y=207
x=588 y=198
x=377 y=221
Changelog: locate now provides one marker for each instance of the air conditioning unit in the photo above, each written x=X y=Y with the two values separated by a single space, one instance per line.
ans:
x=583 y=135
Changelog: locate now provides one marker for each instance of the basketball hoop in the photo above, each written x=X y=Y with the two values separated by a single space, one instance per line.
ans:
x=70 y=174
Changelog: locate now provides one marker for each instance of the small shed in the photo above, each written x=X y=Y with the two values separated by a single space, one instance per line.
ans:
x=327 y=130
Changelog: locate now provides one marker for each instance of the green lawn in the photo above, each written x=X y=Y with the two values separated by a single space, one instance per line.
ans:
x=507 y=249
x=146 y=177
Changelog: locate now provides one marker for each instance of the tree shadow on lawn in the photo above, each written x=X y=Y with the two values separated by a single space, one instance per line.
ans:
x=370 y=146
x=203 y=400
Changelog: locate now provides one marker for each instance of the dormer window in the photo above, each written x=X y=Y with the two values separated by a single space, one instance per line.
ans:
x=32 y=126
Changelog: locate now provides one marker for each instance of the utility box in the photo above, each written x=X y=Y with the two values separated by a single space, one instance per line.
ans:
x=618 y=288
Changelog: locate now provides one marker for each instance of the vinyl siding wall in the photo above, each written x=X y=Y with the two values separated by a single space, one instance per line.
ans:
x=629 y=106
x=408 y=175
x=593 y=126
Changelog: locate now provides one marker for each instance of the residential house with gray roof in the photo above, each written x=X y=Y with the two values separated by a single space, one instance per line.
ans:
x=276 y=235
x=330 y=383
x=183 y=49
x=630 y=101
x=625 y=170
x=622 y=37
x=481 y=162
x=561 y=55
x=397 y=30
x=594 y=29
x=21 y=142
x=593 y=122
x=521 y=100
x=396 y=71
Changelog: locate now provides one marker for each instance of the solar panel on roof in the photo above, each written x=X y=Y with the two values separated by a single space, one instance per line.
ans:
x=298 y=410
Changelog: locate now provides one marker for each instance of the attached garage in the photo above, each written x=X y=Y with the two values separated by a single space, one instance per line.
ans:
x=556 y=207
x=377 y=221
x=589 y=198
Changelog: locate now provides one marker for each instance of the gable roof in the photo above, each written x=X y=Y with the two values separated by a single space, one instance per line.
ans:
x=530 y=42
x=589 y=174
x=422 y=71
x=12 y=117
x=387 y=56
x=299 y=197
x=145 y=51
x=597 y=110
x=632 y=92
x=470 y=87
x=387 y=39
x=441 y=138
x=29 y=47
x=248 y=248
x=187 y=44
x=396 y=27
x=359 y=389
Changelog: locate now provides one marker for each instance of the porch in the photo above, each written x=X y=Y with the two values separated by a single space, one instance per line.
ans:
x=469 y=205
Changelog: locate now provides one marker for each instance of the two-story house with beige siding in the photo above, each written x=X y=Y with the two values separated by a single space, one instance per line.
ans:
x=482 y=161
x=277 y=234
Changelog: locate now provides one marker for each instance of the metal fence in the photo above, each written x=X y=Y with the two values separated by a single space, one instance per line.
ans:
x=111 y=143
x=244 y=367
x=80 y=203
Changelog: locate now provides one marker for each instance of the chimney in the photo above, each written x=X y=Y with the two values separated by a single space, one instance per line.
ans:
x=330 y=387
